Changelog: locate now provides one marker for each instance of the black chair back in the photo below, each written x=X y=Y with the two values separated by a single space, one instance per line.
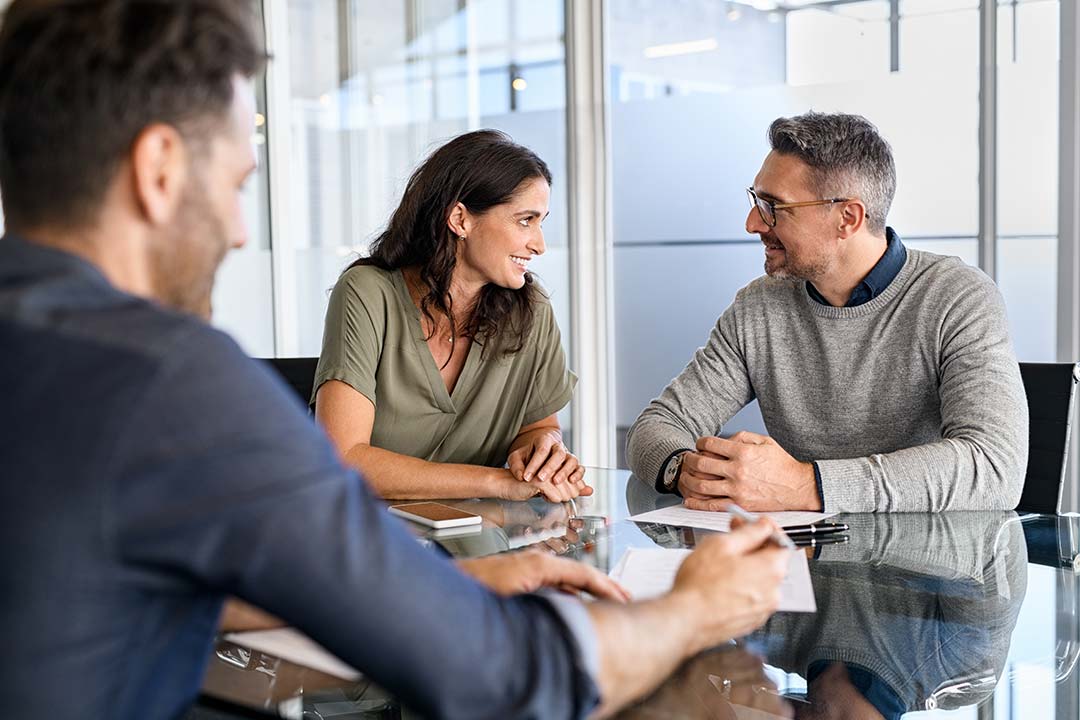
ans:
x=1050 y=389
x=298 y=373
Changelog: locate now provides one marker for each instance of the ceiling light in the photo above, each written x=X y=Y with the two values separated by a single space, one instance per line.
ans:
x=681 y=48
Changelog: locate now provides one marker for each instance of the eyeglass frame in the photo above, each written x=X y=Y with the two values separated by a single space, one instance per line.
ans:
x=756 y=199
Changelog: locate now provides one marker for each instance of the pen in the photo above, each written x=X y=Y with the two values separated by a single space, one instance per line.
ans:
x=822 y=540
x=816 y=528
x=828 y=530
x=777 y=537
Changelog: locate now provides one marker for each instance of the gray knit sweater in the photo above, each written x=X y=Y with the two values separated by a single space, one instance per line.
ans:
x=911 y=401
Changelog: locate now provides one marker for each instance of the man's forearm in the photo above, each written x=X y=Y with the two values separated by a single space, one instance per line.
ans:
x=949 y=474
x=713 y=386
x=641 y=645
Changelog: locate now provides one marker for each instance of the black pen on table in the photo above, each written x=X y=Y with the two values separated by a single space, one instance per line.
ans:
x=816 y=529
x=819 y=540
x=777 y=537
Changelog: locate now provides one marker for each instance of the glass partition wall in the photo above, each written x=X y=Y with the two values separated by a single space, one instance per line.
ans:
x=374 y=87
x=694 y=86
x=362 y=91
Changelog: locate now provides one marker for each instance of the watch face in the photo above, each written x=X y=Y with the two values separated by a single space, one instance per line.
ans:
x=671 y=473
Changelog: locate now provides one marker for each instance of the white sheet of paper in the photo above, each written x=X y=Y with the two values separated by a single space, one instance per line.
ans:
x=709 y=520
x=290 y=644
x=650 y=572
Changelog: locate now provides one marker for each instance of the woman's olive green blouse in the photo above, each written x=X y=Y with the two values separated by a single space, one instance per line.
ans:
x=374 y=342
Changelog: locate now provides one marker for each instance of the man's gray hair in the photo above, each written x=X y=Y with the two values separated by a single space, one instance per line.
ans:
x=847 y=158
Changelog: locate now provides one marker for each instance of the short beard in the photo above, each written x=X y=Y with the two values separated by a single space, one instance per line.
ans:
x=809 y=272
x=186 y=255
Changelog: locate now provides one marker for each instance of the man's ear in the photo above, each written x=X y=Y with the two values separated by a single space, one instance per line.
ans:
x=159 y=170
x=852 y=218
x=458 y=220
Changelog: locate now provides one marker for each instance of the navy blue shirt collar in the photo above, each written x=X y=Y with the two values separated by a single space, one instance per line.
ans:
x=879 y=277
x=876 y=691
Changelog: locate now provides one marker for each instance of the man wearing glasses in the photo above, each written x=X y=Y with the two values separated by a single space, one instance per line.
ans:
x=885 y=375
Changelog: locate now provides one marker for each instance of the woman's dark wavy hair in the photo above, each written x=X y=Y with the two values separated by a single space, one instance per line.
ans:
x=480 y=170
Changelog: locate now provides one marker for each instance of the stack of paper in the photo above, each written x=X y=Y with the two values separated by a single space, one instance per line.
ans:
x=721 y=521
x=649 y=573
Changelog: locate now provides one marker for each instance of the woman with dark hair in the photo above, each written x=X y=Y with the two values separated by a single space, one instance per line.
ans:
x=442 y=370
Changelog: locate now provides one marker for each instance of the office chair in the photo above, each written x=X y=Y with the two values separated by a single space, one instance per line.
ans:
x=298 y=373
x=1050 y=389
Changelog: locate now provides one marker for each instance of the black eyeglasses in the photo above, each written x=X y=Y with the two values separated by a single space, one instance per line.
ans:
x=767 y=208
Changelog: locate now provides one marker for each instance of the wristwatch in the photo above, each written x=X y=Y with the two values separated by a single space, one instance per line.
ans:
x=668 y=482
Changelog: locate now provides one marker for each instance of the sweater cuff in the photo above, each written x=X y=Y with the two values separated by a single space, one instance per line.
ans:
x=648 y=465
x=658 y=483
x=846 y=486
x=817 y=481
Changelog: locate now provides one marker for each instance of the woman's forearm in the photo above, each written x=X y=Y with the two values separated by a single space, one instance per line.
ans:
x=403 y=477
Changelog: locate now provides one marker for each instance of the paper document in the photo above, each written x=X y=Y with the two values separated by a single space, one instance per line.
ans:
x=649 y=573
x=290 y=644
x=709 y=520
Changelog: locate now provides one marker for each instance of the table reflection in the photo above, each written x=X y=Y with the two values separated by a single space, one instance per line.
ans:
x=729 y=682
x=918 y=612
x=915 y=613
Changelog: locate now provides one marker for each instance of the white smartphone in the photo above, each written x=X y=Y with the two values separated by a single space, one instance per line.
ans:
x=435 y=514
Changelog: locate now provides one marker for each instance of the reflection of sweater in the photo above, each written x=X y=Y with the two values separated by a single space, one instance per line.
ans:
x=925 y=602
x=911 y=401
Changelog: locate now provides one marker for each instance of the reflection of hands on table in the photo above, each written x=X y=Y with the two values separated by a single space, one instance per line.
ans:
x=709 y=685
x=557 y=534
x=551 y=526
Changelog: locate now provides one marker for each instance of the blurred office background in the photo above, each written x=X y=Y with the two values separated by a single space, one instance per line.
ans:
x=359 y=91
x=652 y=115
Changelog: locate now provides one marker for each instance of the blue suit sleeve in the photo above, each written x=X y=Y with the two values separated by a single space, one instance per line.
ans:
x=228 y=487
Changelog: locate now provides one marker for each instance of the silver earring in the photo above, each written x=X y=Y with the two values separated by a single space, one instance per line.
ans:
x=461 y=238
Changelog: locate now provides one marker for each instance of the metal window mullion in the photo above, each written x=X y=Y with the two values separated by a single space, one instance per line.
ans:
x=590 y=232
x=987 y=250
x=279 y=154
x=894 y=35
x=1068 y=265
x=472 y=63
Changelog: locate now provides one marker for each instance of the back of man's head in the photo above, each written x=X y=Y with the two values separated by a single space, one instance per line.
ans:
x=80 y=79
x=847 y=158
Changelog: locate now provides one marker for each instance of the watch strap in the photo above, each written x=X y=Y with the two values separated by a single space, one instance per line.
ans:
x=659 y=482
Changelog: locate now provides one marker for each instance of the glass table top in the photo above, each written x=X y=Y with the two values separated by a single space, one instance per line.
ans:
x=927 y=615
